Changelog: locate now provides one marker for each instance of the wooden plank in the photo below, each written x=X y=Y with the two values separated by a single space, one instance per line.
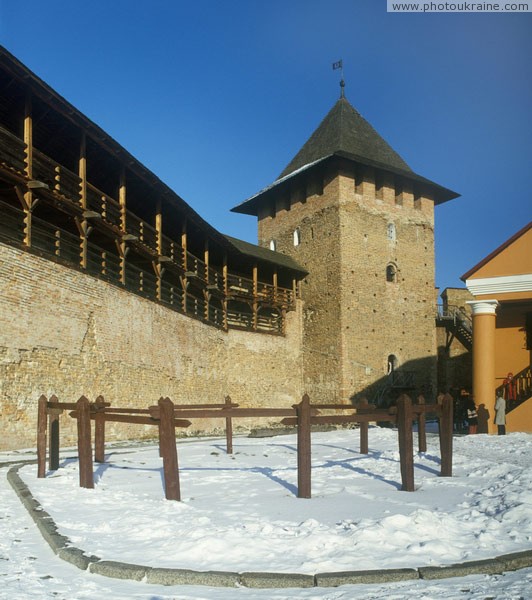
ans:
x=446 y=437
x=334 y=406
x=168 y=450
x=228 y=427
x=53 y=447
x=421 y=425
x=125 y=411
x=133 y=419
x=406 y=443
x=63 y=405
x=304 y=463
x=86 y=473
x=200 y=406
x=229 y=412
x=99 y=430
x=42 y=424
x=364 y=429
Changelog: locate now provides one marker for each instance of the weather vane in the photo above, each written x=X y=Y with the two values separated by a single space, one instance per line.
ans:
x=340 y=65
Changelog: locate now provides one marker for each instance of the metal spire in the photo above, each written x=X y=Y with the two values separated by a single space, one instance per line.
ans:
x=340 y=65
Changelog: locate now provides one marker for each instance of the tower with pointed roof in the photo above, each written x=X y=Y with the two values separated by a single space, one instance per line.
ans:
x=351 y=211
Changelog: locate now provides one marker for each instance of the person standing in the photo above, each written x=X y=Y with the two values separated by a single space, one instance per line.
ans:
x=472 y=416
x=500 y=414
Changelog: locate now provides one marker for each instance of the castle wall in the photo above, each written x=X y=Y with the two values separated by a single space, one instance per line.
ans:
x=313 y=210
x=380 y=318
x=352 y=229
x=66 y=333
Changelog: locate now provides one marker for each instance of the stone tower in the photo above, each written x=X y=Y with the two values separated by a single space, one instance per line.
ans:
x=351 y=211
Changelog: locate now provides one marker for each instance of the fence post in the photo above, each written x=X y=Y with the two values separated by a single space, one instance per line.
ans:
x=303 y=448
x=421 y=427
x=229 y=428
x=53 y=442
x=364 y=429
x=168 y=449
x=86 y=474
x=42 y=423
x=446 y=436
x=406 y=443
x=99 y=430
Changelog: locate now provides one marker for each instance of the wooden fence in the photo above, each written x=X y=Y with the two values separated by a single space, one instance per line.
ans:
x=167 y=416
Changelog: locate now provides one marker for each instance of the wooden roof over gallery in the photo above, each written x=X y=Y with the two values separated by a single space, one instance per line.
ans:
x=47 y=102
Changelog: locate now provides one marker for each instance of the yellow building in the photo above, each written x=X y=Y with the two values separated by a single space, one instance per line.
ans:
x=502 y=331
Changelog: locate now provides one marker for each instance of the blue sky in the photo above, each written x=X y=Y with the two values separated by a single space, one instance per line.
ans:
x=217 y=96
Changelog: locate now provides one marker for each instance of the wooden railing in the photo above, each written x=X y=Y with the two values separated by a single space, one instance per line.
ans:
x=145 y=234
x=62 y=185
x=12 y=151
x=108 y=208
x=167 y=416
x=516 y=390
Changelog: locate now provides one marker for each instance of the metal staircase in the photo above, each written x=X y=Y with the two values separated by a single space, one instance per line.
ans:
x=457 y=323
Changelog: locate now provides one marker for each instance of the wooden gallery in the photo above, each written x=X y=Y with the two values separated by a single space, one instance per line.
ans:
x=112 y=285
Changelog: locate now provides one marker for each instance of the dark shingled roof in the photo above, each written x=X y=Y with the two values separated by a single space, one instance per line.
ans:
x=343 y=134
x=345 y=130
x=265 y=254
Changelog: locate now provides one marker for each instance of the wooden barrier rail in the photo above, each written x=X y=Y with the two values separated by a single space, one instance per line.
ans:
x=167 y=416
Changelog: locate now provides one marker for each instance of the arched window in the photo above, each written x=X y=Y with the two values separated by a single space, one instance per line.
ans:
x=392 y=363
x=297 y=236
x=391 y=273
x=391 y=232
x=273 y=245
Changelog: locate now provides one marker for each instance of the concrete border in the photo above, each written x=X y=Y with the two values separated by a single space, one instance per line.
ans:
x=61 y=546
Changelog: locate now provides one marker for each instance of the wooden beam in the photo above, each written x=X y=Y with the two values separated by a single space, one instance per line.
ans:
x=168 y=450
x=406 y=444
x=86 y=473
x=184 y=245
x=159 y=226
x=255 y=306
x=42 y=425
x=304 y=466
x=82 y=169
x=446 y=437
x=122 y=193
x=28 y=196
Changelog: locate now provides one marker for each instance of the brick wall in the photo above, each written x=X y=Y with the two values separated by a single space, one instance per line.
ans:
x=351 y=230
x=66 y=333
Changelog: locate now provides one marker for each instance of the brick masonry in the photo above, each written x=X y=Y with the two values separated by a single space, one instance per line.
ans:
x=354 y=319
x=66 y=333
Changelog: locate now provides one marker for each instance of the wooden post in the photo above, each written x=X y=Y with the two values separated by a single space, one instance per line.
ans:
x=225 y=272
x=364 y=430
x=86 y=474
x=53 y=426
x=446 y=436
x=28 y=196
x=122 y=192
x=99 y=430
x=421 y=427
x=303 y=448
x=229 y=428
x=168 y=448
x=255 y=306
x=406 y=443
x=42 y=424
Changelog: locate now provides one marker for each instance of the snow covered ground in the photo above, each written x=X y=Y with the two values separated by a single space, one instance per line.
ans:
x=241 y=513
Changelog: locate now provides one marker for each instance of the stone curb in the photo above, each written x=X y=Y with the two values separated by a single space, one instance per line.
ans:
x=490 y=566
x=61 y=546
x=163 y=576
x=354 y=577
x=277 y=580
